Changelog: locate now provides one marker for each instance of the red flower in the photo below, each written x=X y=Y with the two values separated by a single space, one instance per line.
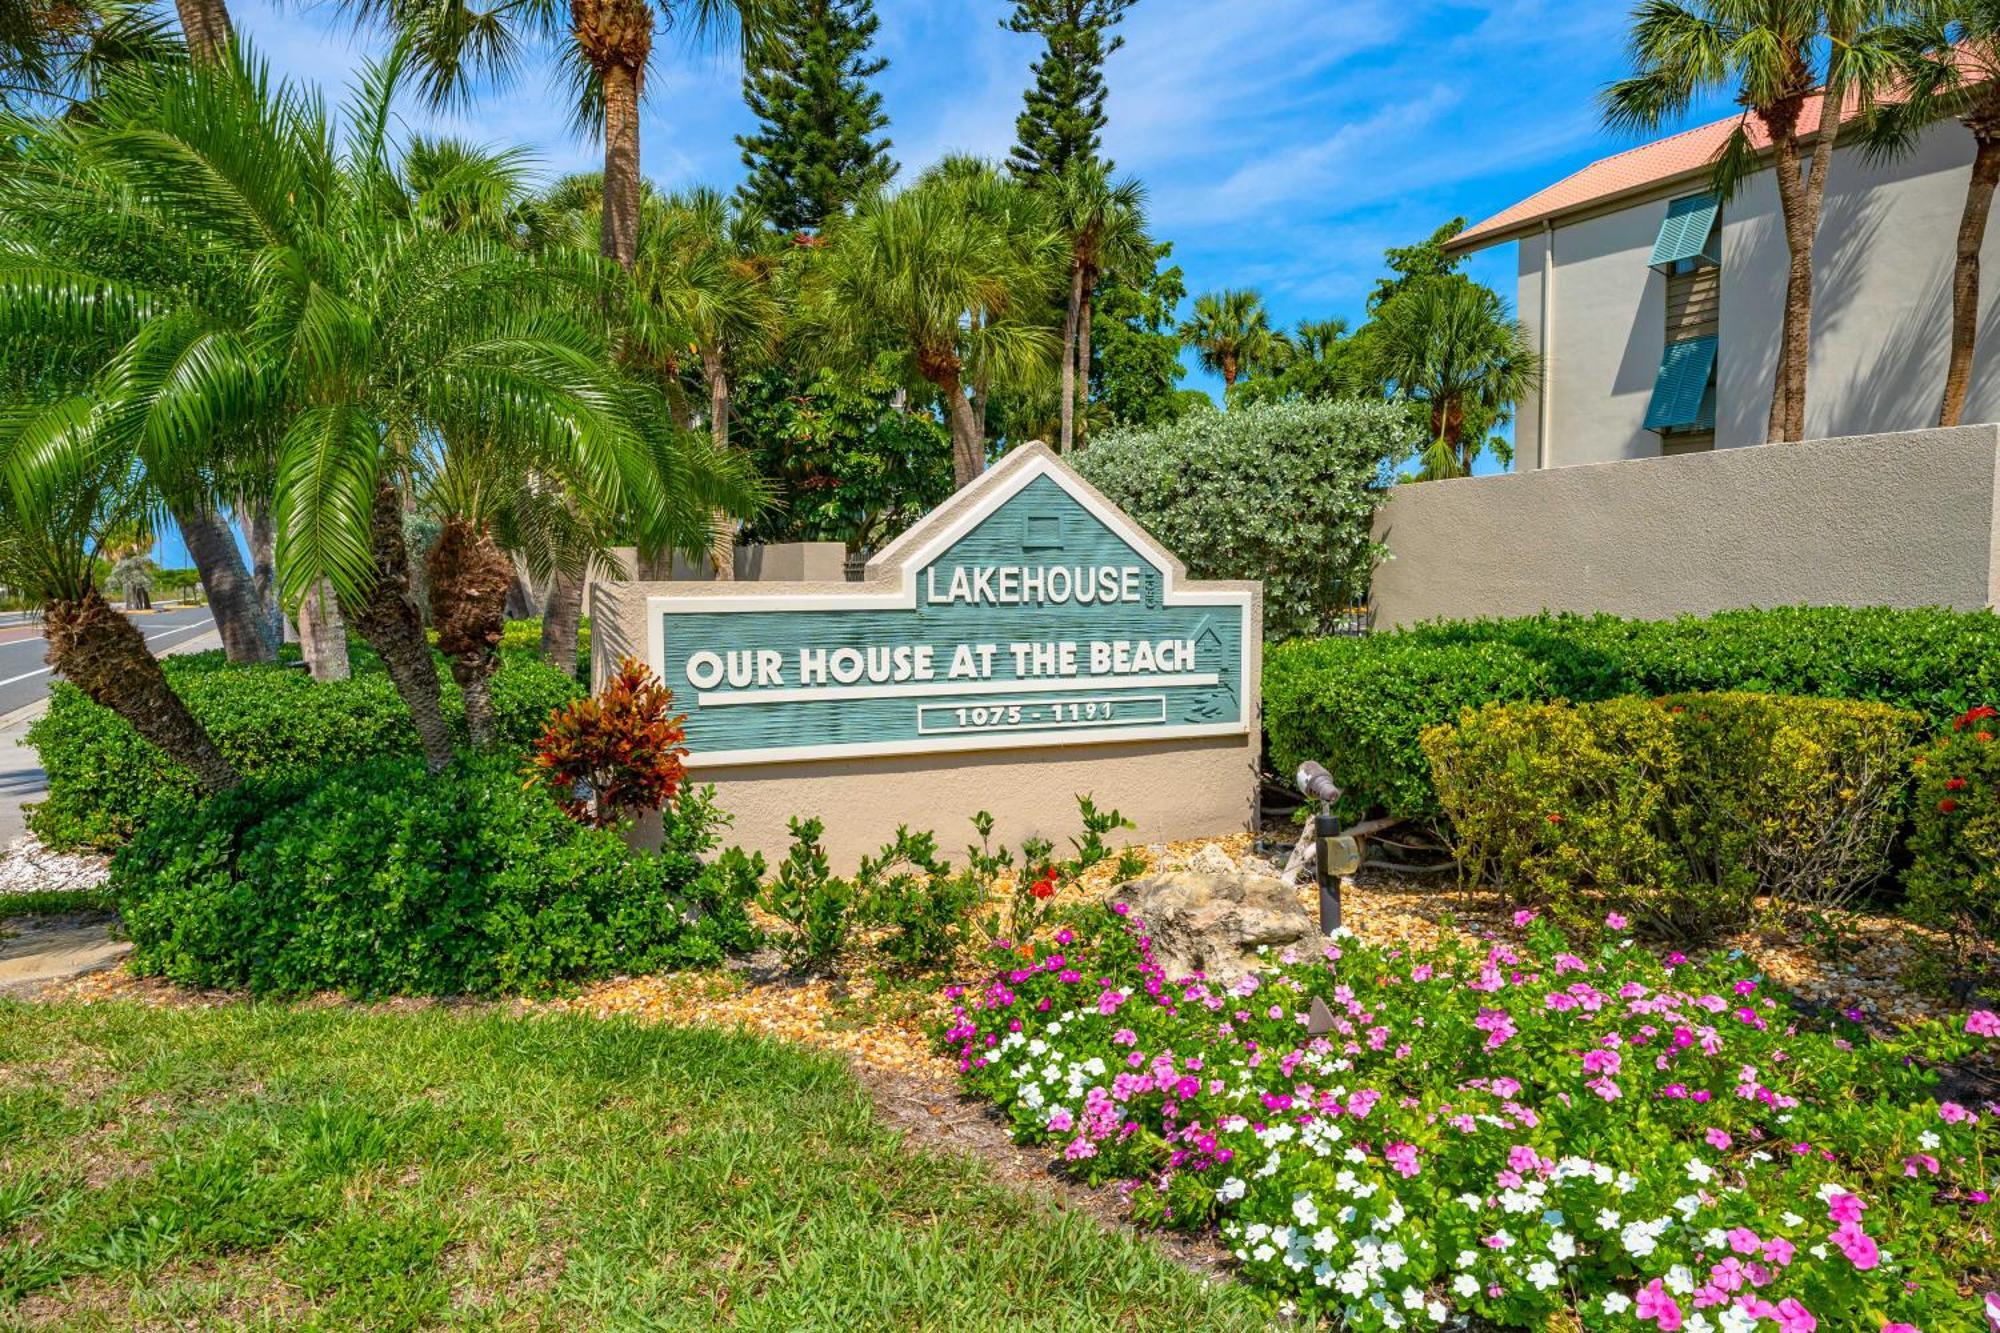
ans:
x=1972 y=715
x=1983 y=736
x=1947 y=805
x=1956 y=784
x=1555 y=819
x=1045 y=887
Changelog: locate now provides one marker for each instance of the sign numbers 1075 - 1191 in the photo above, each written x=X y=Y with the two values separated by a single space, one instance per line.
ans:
x=1052 y=714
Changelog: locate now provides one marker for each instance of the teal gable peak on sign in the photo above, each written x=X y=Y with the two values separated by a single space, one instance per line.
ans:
x=1027 y=611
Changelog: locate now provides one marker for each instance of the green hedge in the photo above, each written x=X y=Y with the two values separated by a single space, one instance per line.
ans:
x=1954 y=879
x=1681 y=810
x=1359 y=705
x=381 y=879
x=525 y=636
x=105 y=782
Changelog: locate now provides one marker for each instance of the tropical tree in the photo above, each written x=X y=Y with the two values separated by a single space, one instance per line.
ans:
x=1231 y=333
x=1450 y=344
x=1104 y=225
x=54 y=56
x=360 y=332
x=1785 y=62
x=1062 y=115
x=818 y=145
x=955 y=271
x=1948 y=56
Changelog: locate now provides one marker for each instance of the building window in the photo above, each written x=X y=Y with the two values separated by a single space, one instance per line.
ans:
x=1688 y=254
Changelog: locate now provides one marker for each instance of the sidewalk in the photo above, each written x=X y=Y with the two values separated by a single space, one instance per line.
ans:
x=22 y=781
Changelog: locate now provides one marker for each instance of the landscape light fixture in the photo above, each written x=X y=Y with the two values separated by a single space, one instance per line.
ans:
x=1337 y=856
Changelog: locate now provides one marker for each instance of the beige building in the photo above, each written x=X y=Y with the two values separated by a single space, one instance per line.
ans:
x=1656 y=306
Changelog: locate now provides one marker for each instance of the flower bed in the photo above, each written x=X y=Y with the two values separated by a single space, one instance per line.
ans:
x=1509 y=1131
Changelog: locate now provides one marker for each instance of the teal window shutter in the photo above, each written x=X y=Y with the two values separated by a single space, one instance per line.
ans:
x=1682 y=398
x=1684 y=235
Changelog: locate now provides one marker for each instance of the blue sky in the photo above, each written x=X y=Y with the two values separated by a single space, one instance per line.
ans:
x=1285 y=143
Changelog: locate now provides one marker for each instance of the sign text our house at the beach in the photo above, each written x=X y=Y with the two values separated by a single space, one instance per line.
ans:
x=1029 y=611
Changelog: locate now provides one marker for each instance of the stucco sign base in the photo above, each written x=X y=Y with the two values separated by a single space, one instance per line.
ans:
x=961 y=675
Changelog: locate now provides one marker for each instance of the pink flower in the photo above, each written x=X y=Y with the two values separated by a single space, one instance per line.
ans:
x=1857 y=1245
x=1719 y=1139
x=1844 y=1208
x=1744 y=1241
x=1778 y=1251
x=1403 y=1157
x=1919 y=1162
x=1615 y=921
x=1654 y=1304
x=1793 y=1317
x=1983 y=1023
x=1523 y=917
x=1953 y=1114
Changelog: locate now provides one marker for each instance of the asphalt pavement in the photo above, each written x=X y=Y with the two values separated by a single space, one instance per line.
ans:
x=25 y=677
x=24 y=688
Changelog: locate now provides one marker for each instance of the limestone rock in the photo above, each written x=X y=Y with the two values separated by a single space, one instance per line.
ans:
x=1216 y=923
x=1210 y=859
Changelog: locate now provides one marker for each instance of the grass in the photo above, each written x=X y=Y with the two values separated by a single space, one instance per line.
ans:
x=274 y=1167
x=55 y=902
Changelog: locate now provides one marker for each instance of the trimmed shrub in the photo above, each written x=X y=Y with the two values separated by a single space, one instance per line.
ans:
x=1682 y=809
x=1282 y=492
x=1319 y=694
x=382 y=879
x=1360 y=706
x=1954 y=876
x=525 y=637
x=105 y=782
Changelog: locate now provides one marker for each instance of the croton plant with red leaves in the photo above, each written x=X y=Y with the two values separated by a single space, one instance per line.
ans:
x=616 y=754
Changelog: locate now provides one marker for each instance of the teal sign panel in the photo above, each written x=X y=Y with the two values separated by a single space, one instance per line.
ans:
x=1028 y=612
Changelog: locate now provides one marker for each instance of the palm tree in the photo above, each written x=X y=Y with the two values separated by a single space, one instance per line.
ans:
x=954 y=271
x=1231 y=333
x=703 y=279
x=361 y=333
x=1774 y=56
x=1450 y=344
x=1948 y=53
x=71 y=480
x=1104 y=224
x=54 y=56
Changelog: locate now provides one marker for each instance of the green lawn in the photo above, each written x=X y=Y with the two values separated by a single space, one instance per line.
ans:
x=290 y=1168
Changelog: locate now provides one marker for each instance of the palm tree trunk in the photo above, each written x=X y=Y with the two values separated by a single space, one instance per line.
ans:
x=100 y=652
x=1781 y=122
x=1069 y=356
x=722 y=540
x=390 y=622
x=1965 y=278
x=562 y=614
x=1229 y=371
x=323 y=633
x=232 y=597
x=263 y=535
x=1800 y=280
x=1083 y=362
x=968 y=442
x=621 y=164
x=469 y=578
x=205 y=26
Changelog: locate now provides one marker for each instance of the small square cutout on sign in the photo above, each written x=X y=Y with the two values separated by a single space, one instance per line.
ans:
x=1041 y=532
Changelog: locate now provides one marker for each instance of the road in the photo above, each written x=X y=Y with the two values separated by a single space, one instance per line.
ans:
x=25 y=677
x=24 y=683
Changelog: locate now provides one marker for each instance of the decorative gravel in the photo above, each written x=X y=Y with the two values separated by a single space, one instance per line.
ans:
x=28 y=867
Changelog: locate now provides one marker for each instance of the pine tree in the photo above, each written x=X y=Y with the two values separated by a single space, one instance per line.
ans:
x=1064 y=115
x=814 y=152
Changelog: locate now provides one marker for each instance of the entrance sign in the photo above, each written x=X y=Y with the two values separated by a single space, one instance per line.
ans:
x=1026 y=612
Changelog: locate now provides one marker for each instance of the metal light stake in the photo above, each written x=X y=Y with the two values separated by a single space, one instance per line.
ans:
x=1337 y=856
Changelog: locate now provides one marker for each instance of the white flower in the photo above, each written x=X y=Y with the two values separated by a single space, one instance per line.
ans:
x=1394 y=1256
x=1637 y=1240
x=1626 y=1182
x=1699 y=1172
x=1037 y=1046
x=1616 y=1302
x=1325 y=1239
x=1466 y=1285
x=1680 y=1281
x=1467 y=1259
x=1828 y=1190
x=1791 y=1219
x=1542 y=1275
x=1436 y=1311
x=1563 y=1246
x=1929 y=1140
x=1734 y=1320
x=1715 y=1238
x=1353 y=1282
x=1304 y=1209
x=1697 y=1323
x=1412 y=1299
x=1471 y=1200
x=1607 y=1219
x=1355 y=1155
x=1230 y=1191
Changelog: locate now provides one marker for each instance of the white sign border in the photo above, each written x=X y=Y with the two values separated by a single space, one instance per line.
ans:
x=916 y=549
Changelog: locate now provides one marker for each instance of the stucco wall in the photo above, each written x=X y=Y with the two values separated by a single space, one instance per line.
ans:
x=1610 y=328
x=1881 y=293
x=1903 y=519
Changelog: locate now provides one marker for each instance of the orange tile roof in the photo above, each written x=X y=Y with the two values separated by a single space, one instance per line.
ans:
x=1633 y=171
